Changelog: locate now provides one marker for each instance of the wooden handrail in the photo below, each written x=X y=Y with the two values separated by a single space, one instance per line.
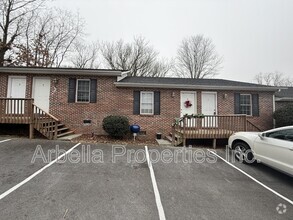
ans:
x=47 y=113
x=250 y=124
x=208 y=126
x=15 y=110
x=24 y=111
x=3 y=98
x=45 y=123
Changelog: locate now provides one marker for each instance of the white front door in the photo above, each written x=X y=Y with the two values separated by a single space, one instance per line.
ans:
x=41 y=92
x=209 y=107
x=188 y=97
x=16 y=89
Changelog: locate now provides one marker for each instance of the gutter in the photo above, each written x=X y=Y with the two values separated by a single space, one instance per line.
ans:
x=60 y=71
x=201 y=87
x=285 y=99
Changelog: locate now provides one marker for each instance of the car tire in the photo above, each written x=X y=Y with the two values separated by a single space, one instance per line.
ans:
x=243 y=153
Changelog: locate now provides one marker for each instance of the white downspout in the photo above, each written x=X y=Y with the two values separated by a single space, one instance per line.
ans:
x=274 y=109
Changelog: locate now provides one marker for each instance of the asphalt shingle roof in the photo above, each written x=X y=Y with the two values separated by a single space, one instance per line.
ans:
x=285 y=93
x=185 y=81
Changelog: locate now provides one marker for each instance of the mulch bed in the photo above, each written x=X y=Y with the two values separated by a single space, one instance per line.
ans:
x=140 y=140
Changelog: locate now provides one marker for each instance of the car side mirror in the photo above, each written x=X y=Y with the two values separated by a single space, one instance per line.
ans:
x=261 y=136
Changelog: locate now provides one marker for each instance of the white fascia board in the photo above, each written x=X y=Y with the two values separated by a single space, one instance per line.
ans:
x=200 y=87
x=60 y=71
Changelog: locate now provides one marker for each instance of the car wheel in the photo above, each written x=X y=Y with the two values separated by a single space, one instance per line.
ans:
x=243 y=153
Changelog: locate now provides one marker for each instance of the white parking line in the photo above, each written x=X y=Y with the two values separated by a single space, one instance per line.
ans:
x=255 y=180
x=3 y=195
x=5 y=140
x=155 y=187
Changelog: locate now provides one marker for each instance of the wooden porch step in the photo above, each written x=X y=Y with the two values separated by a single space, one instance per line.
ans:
x=51 y=126
x=64 y=134
x=176 y=136
x=59 y=129
x=169 y=138
x=62 y=129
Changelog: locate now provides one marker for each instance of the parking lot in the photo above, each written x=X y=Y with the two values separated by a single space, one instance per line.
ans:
x=112 y=182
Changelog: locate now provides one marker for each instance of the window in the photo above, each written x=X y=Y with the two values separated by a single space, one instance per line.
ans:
x=245 y=104
x=286 y=134
x=83 y=90
x=146 y=103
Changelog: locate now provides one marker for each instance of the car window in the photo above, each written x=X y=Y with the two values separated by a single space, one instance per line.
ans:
x=286 y=134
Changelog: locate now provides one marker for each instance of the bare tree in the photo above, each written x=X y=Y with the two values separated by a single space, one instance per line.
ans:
x=13 y=18
x=161 y=68
x=50 y=38
x=273 y=79
x=138 y=57
x=197 y=58
x=85 y=55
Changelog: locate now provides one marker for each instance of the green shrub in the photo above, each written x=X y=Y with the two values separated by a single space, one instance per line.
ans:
x=116 y=126
x=284 y=116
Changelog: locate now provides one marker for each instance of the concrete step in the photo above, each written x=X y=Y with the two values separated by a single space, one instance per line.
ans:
x=69 y=137
x=163 y=142
x=65 y=134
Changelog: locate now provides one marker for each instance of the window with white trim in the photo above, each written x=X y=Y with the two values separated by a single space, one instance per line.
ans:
x=146 y=103
x=245 y=104
x=83 y=90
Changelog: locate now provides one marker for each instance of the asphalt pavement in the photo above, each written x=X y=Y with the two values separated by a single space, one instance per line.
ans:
x=97 y=181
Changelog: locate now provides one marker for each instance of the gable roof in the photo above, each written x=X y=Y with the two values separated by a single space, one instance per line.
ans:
x=285 y=94
x=60 y=71
x=187 y=83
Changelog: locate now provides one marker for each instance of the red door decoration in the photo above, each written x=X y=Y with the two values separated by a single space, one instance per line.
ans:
x=187 y=104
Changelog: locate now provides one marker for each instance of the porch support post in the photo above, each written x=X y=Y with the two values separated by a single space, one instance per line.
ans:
x=31 y=135
x=31 y=115
x=184 y=132
x=55 y=130
x=214 y=143
x=173 y=135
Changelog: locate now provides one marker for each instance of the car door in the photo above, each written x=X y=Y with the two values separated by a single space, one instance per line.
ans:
x=276 y=149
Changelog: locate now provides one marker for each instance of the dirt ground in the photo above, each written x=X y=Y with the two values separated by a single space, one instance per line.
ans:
x=140 y=140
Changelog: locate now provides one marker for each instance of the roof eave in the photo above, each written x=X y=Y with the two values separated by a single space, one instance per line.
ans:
x=284 y=99
x=201 y=87
x=61 y=71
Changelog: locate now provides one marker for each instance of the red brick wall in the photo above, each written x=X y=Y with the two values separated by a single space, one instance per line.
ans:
x=119 y=101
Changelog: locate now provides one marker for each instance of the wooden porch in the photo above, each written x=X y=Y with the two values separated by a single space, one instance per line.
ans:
x=209 y=127
x=24 y=111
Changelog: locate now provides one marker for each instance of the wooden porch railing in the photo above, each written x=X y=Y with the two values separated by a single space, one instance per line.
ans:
x=24 y=111
x=209 y=127
x=45 y=123
x=16 y=110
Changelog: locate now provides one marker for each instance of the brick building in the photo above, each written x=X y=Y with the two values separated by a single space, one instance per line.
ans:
x=81 y=98
x=284 y=97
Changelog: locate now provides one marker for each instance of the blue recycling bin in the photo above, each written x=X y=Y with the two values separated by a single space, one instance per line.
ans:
x=135 y=128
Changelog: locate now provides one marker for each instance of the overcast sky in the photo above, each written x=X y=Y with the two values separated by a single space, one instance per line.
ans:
x=252 y=35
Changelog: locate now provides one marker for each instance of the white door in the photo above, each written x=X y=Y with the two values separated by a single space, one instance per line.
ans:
x=188 y=105
x=209 y=107
x=41 y=92
x=16 y=89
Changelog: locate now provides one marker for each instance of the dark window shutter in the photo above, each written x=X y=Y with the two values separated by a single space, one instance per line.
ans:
x=93 y=92
x=236 y=103
x=136 y=102
x=71 y=90
x=157 y=103
x=255 y=105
